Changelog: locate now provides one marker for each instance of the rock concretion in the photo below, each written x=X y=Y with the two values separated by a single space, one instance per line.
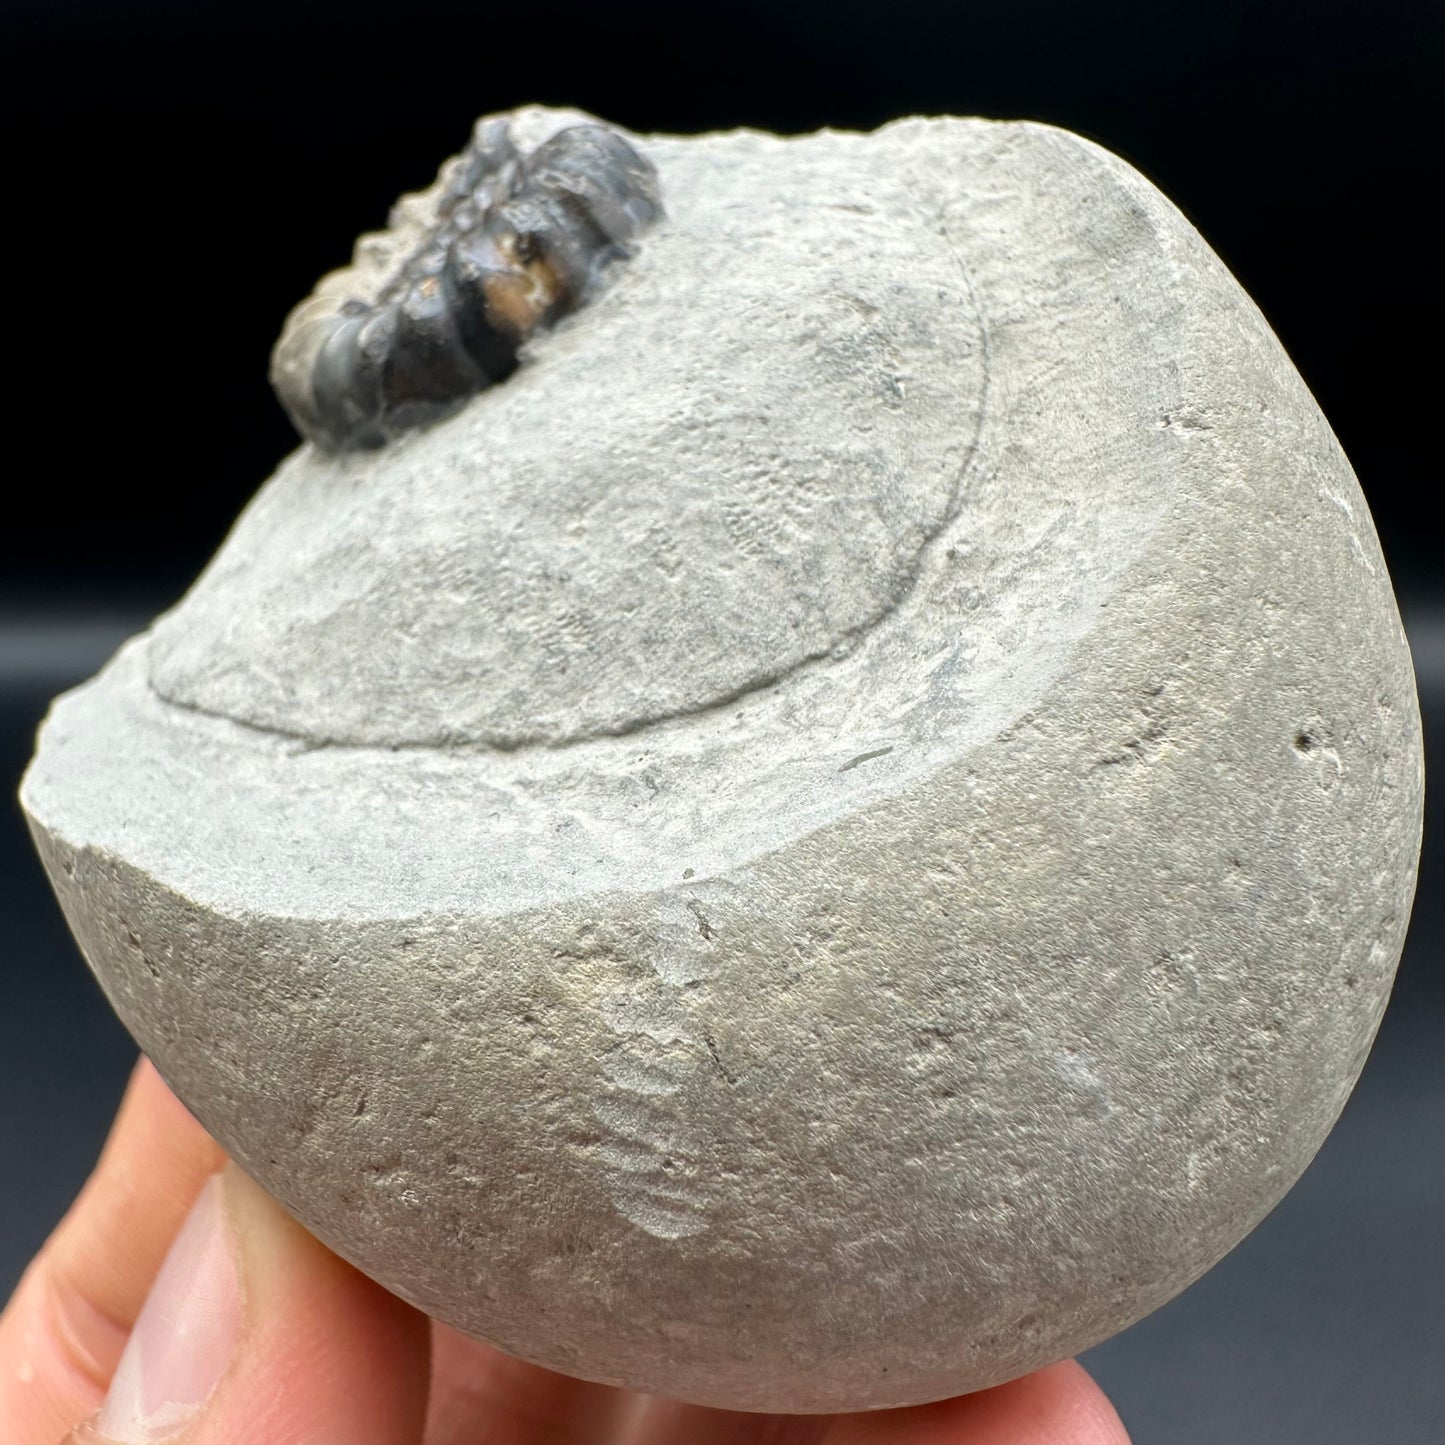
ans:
x=841 y=836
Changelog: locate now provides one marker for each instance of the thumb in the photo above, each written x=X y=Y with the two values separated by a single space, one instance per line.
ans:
x=254 y=1331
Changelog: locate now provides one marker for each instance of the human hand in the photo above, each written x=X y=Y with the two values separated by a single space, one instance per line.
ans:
x=242 y=1329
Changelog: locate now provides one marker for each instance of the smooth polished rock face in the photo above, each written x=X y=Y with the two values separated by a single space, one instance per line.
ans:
x=839 y=837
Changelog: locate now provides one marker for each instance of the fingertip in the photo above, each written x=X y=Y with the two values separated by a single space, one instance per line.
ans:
x=325 y=1356
x=254 y=1331
x=65 y=1327
x=1081 y=1412
x=148 y=1090
x=1060 y=1405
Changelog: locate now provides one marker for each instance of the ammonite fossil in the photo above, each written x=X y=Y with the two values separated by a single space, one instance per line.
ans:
x=429 y=315
x=839 y=837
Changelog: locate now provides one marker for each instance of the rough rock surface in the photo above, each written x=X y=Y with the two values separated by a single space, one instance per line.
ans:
x=841 y=836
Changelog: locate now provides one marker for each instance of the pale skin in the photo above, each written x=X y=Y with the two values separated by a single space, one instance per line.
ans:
x=320 y=1355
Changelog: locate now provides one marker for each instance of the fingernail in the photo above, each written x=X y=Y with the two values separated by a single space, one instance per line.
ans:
x=185 y=1335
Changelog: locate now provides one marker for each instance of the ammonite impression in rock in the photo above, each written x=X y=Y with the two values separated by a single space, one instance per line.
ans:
x=435 y=309
x=768 y=857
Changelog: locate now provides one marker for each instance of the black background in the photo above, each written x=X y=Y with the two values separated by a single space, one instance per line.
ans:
x=180 y=173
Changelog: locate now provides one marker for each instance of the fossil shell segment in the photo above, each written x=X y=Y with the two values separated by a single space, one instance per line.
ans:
x=838 y=837
x=434 y=309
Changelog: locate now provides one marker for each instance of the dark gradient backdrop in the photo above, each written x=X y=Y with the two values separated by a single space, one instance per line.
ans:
x=179 y=173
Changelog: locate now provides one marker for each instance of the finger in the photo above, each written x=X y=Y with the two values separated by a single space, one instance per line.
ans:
x=254 y=1331
x=65 y=1327
x=1057 y=1406
x=665 y=1422
x=482 y=1397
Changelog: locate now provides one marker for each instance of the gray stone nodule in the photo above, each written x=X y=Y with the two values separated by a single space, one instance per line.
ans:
x=839 y=838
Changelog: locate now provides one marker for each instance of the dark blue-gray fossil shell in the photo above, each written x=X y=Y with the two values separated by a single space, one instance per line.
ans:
x=436 y=310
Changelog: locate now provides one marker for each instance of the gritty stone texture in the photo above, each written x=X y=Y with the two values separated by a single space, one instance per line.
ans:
x=840 y=837
x=727 y=469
